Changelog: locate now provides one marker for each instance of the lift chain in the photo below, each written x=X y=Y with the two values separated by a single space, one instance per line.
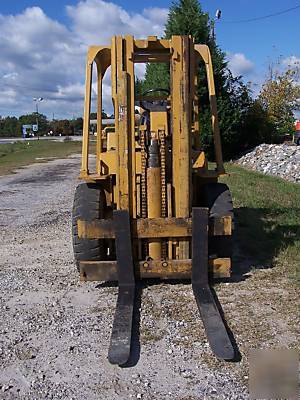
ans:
x=162 y=138
x=144 y=185
x=143 y=177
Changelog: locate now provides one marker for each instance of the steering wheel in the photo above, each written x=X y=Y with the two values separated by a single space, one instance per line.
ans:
x=154 y=105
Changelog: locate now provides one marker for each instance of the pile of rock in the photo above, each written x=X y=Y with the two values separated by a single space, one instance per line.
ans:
x=274 y=159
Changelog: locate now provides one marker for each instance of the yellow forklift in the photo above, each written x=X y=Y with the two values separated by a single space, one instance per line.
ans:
x=151 y=207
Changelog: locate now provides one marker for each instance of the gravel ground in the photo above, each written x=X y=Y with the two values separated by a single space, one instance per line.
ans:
x=54 y=330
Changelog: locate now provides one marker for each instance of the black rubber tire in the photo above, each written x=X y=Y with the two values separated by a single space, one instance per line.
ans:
x=217 y=197
x=89 y=205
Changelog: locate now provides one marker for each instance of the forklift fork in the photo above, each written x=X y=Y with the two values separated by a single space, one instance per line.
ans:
x=216 y=332
x=120 y=342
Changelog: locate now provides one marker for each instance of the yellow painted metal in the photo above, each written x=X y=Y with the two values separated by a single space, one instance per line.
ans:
x=159 y=44
x=119 y=151
x=101 y=55
x=169 y=214
x=99 y=118
x=123 y=98
x=95 y=178
x=181 y=125
x=199 y=160
x=123 y=144
x=159 y=122
x=129 y=68
x=153 y=227
x=204 y=52
x=111 y=140
x=86 y=120
x=109 y=165
x=165 y=269
x=114 y=74
x=129 y=51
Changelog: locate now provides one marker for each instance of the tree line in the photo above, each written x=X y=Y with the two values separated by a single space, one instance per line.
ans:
x=12 y=126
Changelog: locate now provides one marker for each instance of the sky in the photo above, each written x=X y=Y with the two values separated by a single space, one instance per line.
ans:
x=43 y=44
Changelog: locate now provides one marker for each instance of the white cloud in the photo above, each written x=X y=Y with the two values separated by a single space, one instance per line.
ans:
x=156 y=15
x=41 y=57
x=94 y=19
x=239 y=64
x=38 y=55
x=290 y=61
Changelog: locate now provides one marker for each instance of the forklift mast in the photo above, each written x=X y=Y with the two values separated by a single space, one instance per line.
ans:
x=153 y=219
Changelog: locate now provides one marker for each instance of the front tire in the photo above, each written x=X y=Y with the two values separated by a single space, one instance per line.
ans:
x=89 y=205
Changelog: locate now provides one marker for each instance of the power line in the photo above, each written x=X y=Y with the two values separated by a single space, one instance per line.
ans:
x=262 y=17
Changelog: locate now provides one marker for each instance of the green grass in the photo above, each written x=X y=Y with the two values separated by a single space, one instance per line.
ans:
x=19 y=154
x=268 y=216
x=261 y=302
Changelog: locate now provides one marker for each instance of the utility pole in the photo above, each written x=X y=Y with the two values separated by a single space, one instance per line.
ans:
x=217 y=17
x=37 y=100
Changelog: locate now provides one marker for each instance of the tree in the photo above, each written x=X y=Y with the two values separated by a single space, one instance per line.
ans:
x=32 y=119
x=187 y=18
x=93 y=115
x=233 y=101
x=256 y=127
x=77 y=125
x=157 y=75
x=280 y=96
x=10 y=126
x=62 y=127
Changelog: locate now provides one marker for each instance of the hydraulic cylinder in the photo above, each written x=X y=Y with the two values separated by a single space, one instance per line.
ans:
x=154 y=194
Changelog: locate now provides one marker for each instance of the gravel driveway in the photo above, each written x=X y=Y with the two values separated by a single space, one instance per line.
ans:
x=54 y=330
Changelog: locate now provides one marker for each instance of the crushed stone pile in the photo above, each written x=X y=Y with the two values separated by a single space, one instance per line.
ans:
x=274 y=159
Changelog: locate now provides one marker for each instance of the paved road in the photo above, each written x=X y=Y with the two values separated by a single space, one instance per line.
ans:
x=19 y=139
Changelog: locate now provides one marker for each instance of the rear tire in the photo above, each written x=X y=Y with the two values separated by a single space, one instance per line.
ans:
x=89 y=205
x=217 y=197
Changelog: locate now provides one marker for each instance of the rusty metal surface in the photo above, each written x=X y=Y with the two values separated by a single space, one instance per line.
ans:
x=153 y=227
x=98 y=271
x=163 y=269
